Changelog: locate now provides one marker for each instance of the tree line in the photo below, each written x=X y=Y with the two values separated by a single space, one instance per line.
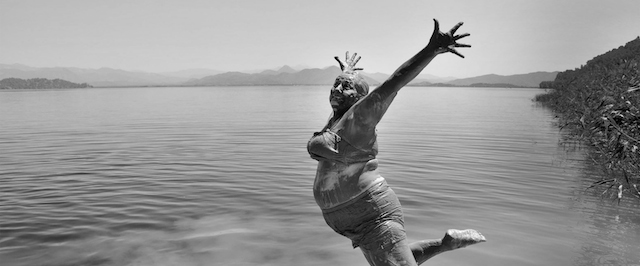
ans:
x=39 y=83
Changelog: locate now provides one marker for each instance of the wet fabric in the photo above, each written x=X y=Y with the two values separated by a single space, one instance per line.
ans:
x=371 y=220
x=328 y=145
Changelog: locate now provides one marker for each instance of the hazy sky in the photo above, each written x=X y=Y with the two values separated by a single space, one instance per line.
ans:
x=508 y=36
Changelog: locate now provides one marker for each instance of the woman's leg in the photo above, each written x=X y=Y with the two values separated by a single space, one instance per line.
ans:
x=386 y=251
x=390 y=248
x=385 y=243
x=453 y=239
x=425 y=249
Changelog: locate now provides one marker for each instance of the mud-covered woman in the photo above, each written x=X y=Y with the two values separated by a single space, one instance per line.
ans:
x=355 y=199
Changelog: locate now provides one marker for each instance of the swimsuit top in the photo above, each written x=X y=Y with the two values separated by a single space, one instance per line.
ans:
x=329 y=146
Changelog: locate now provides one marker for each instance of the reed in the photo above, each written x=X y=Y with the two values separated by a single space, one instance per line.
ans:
x=598 y=104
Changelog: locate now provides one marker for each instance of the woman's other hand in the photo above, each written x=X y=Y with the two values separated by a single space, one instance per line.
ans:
x=447 y=42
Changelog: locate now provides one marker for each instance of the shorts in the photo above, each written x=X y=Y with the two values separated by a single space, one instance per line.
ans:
x=365 y=219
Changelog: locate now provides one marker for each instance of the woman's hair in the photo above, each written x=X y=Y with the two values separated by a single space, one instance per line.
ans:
x=353 y=80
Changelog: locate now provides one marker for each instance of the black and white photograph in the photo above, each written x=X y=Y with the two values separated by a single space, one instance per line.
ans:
x=309 y=133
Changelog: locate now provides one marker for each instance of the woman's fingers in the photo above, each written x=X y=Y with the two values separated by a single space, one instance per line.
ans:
x=451 y=48
x=447 y=41
x=436 y=27
x=356 y=61
x=353 y=57
x=339 y=62
x=350 y=62
x=455 y=38
x=454 y=51
x=455 y=28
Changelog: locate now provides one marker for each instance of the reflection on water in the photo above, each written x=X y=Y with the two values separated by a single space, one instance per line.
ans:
x=611 y=231
x=220 y=176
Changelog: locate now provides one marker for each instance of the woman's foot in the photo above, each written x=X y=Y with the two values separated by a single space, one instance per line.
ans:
x=455 y=239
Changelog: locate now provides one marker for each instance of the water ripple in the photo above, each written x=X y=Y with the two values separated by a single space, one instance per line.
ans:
x=190 y=177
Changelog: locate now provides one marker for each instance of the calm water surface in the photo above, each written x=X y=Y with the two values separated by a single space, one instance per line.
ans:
x=221 y=176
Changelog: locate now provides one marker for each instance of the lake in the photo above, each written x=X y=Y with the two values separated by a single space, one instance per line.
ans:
x=221 y=176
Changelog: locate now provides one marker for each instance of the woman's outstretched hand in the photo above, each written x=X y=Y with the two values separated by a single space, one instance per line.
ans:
x=447 y=42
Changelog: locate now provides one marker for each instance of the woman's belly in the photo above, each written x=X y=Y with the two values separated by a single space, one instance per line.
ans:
x=336 y=183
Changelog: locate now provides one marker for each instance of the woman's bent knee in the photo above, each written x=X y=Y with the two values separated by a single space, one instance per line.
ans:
x=388 y=246
x=398 y=254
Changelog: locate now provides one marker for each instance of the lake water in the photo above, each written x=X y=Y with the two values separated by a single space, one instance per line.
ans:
x=221 y=176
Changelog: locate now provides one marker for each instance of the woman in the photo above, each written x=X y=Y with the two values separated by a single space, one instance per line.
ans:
x=355 y=200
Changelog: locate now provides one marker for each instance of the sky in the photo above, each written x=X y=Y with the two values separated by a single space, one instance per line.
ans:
x=507 y=36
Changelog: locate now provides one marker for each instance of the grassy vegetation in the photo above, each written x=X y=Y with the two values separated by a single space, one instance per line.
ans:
x=599 y=104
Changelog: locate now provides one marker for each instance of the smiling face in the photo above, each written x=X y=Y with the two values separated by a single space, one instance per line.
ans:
x=346 y=91
x=342 y=96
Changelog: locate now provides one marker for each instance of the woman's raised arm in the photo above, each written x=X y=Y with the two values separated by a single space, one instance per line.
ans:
x=439 y=43
x=378 y=101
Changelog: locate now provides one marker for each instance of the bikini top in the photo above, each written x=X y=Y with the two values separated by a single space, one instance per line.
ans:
x=327 y=145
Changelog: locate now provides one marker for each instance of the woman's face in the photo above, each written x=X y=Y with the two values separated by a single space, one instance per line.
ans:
x=343 y=96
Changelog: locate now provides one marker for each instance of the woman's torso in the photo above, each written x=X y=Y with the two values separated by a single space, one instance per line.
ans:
x=347 y=164
x=336 y=182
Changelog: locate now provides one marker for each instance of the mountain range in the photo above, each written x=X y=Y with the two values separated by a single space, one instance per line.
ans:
x=283 y=76
x=523 y=80
x=286 y=75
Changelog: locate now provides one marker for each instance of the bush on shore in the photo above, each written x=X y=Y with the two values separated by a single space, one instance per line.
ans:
x=599 y=104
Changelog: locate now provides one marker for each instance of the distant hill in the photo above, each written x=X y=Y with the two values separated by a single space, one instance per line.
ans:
x=39 y=83
x=103 y=77
x=422 y=78
x=283 y=69
x=285 y=75
x=194 y=73
x=530 y=80
x=312 y=76
x=608 y=61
